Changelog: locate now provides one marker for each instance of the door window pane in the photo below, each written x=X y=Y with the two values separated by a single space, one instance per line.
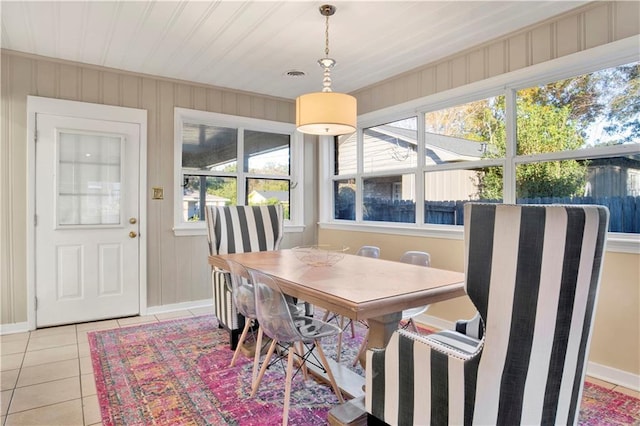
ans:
x=206 y=147
x=89 y=178
x=266 y=153
x=390 y=199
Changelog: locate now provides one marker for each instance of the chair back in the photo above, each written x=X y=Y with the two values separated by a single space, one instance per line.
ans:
x=242 y=289
x=241 y=229
x=272 y=309
x=533 y=273
x=420 y=258
x=369 y=251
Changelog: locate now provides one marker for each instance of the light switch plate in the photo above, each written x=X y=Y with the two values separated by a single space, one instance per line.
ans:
x=158 y=193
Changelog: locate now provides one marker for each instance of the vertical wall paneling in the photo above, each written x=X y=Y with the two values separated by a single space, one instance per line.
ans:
x=130 y=91
x=597 y=22
x=167 y=244
x=214 y=100
x=443 y=76
x=428 y=81
x=46 y=78
x=497 y=59
x=541 y=45
x=177 y=270
x=6 y=253
x=199 y=99
x=90 y=85
x=567 y=36
x=110 y=88
x=257 y=107
x=476 y=65
x=70 y=82
x=518 y=52
x=183 y=96
x=626 y=22
x=459 y=74
x=243 y=105
x=150 y=98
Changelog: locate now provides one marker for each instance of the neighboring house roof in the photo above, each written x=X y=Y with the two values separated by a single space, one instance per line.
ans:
x=262 y=196
x=454 y=149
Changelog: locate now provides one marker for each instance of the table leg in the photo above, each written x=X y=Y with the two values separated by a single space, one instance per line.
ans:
x=380 y=331
x=352 y=412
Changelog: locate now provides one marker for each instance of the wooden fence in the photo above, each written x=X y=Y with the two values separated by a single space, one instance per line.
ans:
x=624 y=211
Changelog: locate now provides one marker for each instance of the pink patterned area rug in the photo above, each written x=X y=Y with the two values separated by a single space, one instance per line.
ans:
x=177 y=373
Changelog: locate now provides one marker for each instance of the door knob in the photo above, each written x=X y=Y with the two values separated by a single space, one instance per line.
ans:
x=133 y=234
x=132 y=221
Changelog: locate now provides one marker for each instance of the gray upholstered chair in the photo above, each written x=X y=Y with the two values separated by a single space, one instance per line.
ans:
x=238 y=229
x=533 y=273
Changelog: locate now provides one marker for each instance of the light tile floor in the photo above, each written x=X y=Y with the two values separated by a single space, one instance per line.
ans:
x=46 y=375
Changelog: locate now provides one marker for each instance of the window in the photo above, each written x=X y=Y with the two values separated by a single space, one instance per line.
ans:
x=574 y=139
x=226 y=160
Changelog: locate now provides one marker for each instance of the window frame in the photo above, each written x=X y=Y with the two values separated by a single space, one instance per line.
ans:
x=602 y=57
x=296 y=195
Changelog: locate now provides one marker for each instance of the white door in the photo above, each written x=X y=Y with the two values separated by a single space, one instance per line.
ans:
x=86 y=233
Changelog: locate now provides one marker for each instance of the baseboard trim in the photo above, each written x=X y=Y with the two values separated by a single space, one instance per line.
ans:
x=599 y=371
x=613 y=375
x=172 y=307
x=13 y=328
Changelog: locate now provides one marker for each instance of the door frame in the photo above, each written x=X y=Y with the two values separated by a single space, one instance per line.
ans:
x=40 y=105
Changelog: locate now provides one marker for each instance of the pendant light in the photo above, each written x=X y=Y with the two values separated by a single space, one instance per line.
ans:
x=326 y=112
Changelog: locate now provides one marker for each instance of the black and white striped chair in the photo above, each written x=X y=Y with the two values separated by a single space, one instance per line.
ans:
x=533 y=273
x=238 y=229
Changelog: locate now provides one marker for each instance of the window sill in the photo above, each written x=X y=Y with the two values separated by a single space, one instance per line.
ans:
x=191 y=231
x=616 y=242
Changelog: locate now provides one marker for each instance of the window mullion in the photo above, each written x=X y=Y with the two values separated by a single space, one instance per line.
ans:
x=509 y=174
x=241 y=195
x=420 y=164
x=359 y=179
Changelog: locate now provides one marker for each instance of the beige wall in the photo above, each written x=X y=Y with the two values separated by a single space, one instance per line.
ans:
x=177 y=267
x=616 y=335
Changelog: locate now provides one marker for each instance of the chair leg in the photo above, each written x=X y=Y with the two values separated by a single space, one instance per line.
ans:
x=332 y=379
x=339 y=352
x=265 y=364
x=353 y=329
x=303 y=364
x=233 y=339
x=287 y=387
x=243 y=336
x=256 y=358
x=413 y=326
x=325 y=316
x=363 y=347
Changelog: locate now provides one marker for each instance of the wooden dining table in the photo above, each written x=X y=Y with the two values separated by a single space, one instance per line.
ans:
x=358 y=287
